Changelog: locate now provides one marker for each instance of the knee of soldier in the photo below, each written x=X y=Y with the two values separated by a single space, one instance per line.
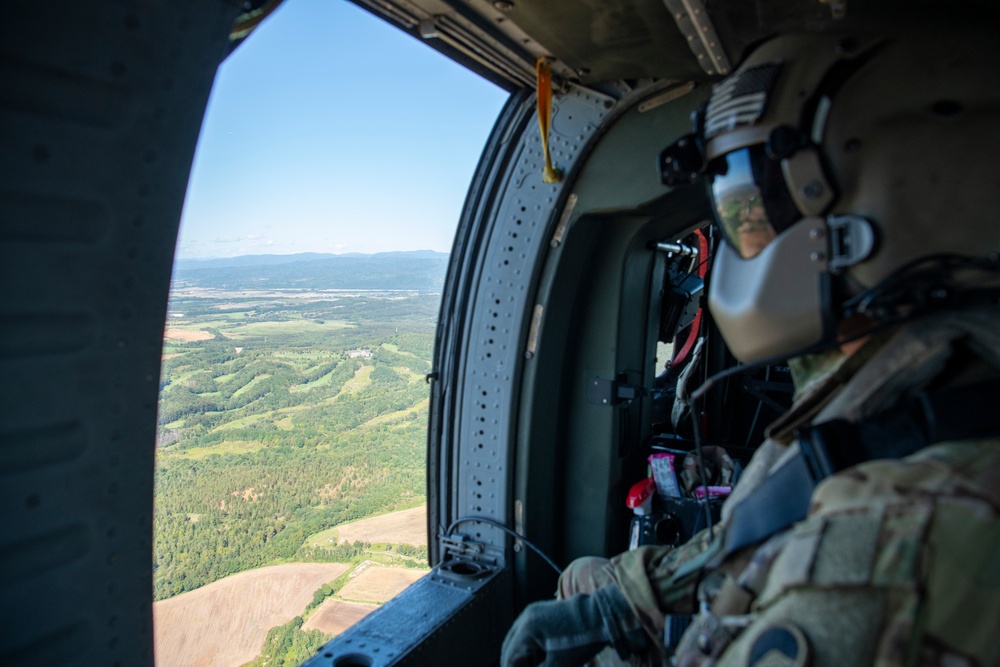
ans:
x=584 y=575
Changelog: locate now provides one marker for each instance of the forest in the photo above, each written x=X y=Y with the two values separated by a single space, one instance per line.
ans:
x=284 y=412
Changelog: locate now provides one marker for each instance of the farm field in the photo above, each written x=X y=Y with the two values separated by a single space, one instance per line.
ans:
x=224 y=624
x=379 y=584
x=404 y=527
x=186 y=335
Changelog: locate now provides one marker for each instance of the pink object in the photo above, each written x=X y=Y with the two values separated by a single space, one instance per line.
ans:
x=713 y=491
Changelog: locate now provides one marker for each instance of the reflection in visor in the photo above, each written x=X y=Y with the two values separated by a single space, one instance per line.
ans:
x=739 y=207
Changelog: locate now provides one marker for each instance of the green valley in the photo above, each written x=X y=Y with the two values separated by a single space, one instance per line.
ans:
x=284 y=413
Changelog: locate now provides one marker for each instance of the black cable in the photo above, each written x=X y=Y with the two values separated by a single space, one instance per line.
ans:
x=923 y=284
x=509 y=531
x=694 y=270
x=760 y=405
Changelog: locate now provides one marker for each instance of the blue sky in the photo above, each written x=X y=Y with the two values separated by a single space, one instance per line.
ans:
x=328 y=130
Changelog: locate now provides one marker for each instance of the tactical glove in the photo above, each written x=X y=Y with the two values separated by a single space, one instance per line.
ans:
x=568 y=633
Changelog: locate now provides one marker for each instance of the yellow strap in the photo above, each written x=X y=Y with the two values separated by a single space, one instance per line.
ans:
x=543 y=69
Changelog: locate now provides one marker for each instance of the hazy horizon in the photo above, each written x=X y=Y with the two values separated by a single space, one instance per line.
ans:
x=181 y=258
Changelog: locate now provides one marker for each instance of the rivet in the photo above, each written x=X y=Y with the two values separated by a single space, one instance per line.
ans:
x=817 y=256
x=816 y=233
x=503 y=5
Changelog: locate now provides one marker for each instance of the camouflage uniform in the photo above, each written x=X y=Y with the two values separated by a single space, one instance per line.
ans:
x=897 y=562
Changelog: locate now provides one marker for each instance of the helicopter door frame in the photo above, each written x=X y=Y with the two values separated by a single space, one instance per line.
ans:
x=461 y=610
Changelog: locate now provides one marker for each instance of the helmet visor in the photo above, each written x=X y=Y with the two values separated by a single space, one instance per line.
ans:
x=752 y=205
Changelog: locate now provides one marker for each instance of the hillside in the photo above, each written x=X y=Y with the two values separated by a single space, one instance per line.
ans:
x=419 y=270
x=283 y=414
x=292 y=405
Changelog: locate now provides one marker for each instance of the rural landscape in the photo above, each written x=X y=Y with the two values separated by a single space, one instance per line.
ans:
x=290 y=450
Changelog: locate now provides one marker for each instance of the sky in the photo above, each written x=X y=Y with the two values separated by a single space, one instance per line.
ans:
x=328 y=130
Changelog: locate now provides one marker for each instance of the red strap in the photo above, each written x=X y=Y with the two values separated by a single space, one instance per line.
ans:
x=681 y=356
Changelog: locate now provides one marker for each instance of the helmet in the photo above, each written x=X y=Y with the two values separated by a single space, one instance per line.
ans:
x=836 y=164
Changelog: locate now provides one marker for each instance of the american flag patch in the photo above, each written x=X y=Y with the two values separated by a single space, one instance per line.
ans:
x=741 y=99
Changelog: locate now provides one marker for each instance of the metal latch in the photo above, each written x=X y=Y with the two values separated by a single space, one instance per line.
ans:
x=461 y=546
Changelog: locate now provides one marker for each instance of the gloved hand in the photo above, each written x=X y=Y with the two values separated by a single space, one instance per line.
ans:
x=568 y=633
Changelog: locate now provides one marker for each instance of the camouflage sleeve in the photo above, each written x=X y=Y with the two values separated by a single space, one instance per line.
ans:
x=896 y=565
x=646 y=577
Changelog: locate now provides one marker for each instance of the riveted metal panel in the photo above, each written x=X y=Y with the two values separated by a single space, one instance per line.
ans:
x=439 y=620
x=517 y=232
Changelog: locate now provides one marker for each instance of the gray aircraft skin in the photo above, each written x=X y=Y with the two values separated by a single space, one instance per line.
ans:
x=545 y=377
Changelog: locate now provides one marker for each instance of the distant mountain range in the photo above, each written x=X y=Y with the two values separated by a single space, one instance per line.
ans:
x=414 y=270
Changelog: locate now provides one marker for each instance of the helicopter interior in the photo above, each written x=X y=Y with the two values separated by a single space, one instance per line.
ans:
x=564 y=302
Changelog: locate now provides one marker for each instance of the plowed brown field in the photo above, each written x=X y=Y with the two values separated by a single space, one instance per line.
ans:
x=335 y=616
x=405 y=527
x=224 y=624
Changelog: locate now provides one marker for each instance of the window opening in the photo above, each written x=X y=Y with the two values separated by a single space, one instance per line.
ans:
x=292 y=422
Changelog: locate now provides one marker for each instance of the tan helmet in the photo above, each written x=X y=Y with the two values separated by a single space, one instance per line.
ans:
x=836 y=163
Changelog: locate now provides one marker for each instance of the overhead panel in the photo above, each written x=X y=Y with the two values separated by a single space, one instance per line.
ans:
x=695 y=24
x=589 y=41
x=469 y=36
x=606 y=41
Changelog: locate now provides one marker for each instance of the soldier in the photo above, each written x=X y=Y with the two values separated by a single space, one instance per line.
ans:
x=866 y=529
